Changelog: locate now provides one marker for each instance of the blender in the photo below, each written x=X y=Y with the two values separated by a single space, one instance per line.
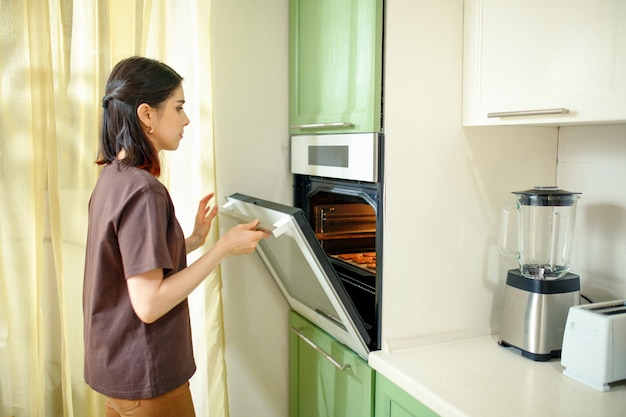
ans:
x=539 y=293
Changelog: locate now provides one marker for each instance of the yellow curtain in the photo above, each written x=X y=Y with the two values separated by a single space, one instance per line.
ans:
x=55 y=56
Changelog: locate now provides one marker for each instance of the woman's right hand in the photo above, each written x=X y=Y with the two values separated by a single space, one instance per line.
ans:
x=241 y=239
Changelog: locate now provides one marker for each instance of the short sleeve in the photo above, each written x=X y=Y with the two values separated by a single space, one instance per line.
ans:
x=142 y=233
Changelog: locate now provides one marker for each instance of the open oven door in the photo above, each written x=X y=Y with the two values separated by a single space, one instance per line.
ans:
x=302 y=269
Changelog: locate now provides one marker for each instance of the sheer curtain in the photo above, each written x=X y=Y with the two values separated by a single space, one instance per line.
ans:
x=55 y=56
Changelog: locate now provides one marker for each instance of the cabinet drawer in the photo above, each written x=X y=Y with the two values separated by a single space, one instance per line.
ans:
x=392 y=401
x=326 y=378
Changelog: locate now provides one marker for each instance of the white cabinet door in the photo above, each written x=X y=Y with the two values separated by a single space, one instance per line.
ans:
x=562 y=59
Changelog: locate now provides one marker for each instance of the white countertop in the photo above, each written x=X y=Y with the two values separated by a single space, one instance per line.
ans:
x=479 y=378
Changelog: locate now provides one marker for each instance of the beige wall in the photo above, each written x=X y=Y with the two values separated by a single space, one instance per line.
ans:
x=251 y=134
x=592 y=160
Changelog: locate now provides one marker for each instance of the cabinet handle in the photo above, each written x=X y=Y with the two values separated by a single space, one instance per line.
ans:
x=321 y=351
x=322 y=125
x=540 y=112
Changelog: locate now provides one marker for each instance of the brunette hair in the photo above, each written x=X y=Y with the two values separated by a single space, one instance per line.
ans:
x=133 y=81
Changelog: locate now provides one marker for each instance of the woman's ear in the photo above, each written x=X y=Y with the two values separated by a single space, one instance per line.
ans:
x=144 y=114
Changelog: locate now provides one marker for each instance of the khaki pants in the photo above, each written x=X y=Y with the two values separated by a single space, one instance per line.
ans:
x=176 y=403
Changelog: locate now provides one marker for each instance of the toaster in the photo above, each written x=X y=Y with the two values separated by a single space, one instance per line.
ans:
x=594 y=344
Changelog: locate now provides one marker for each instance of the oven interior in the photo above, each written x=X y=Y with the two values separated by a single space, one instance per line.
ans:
x=345 y=227
x=347 y=222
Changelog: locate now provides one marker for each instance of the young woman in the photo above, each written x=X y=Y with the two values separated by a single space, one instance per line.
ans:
x=138 y=350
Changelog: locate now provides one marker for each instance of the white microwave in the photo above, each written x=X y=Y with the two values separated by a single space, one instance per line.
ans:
x=350 y=156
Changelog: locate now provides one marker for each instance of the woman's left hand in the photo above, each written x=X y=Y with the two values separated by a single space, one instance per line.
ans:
x=202 y=223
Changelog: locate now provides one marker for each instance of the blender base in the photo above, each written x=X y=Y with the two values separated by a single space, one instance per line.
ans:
x=535 y=312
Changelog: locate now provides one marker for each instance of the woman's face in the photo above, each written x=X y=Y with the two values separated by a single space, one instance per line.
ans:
x=169 y=122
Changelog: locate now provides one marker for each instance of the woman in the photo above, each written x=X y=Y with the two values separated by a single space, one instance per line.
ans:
x=138 y=350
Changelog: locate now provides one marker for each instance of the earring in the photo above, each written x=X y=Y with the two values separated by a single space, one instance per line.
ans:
x=149 y=131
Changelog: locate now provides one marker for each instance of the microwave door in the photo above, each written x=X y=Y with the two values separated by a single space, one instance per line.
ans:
x=301 y=269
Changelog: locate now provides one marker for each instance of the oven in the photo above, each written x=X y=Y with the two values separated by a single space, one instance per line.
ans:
x=346 y=217
x=325 y=252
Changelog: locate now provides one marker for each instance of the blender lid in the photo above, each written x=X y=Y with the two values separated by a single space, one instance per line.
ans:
x=547 y=196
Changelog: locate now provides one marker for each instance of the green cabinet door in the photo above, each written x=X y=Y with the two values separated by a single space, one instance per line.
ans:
x=318 y=386
x=392 y=401
x=335 y=66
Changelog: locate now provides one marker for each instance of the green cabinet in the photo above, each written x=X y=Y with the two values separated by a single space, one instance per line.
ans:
x=391 y=401
x=335 y=66
x=326 y=378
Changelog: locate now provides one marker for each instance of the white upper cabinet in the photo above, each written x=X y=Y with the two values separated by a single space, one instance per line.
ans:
x=541 y=62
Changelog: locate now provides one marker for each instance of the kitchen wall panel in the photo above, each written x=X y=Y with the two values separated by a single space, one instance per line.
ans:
x=249 y=55
x=445 y=185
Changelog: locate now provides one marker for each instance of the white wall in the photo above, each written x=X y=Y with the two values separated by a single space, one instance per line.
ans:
x=251 y=133
x=592 y=160
x=445 y=185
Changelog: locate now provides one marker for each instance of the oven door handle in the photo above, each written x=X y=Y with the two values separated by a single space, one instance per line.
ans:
x=341 y=367
x=277 y=229
x=322 y=125
x=243 y=219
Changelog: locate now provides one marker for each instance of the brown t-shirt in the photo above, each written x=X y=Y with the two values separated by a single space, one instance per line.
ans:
x=132 y=229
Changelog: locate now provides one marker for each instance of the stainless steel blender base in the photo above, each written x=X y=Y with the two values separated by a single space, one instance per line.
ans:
x=535 y=312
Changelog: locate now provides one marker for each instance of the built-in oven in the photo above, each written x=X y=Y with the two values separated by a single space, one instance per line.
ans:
x=325 y=252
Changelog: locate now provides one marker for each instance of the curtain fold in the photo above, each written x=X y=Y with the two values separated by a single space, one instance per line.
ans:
x=55 y=56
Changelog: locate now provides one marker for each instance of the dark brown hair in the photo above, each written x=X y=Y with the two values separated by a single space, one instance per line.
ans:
x=133 y=81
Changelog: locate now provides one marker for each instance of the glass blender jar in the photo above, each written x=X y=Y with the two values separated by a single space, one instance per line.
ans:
x=545 y=230
x=538 y=295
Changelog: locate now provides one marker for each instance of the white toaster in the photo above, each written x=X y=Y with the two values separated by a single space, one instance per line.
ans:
x=594 y=344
